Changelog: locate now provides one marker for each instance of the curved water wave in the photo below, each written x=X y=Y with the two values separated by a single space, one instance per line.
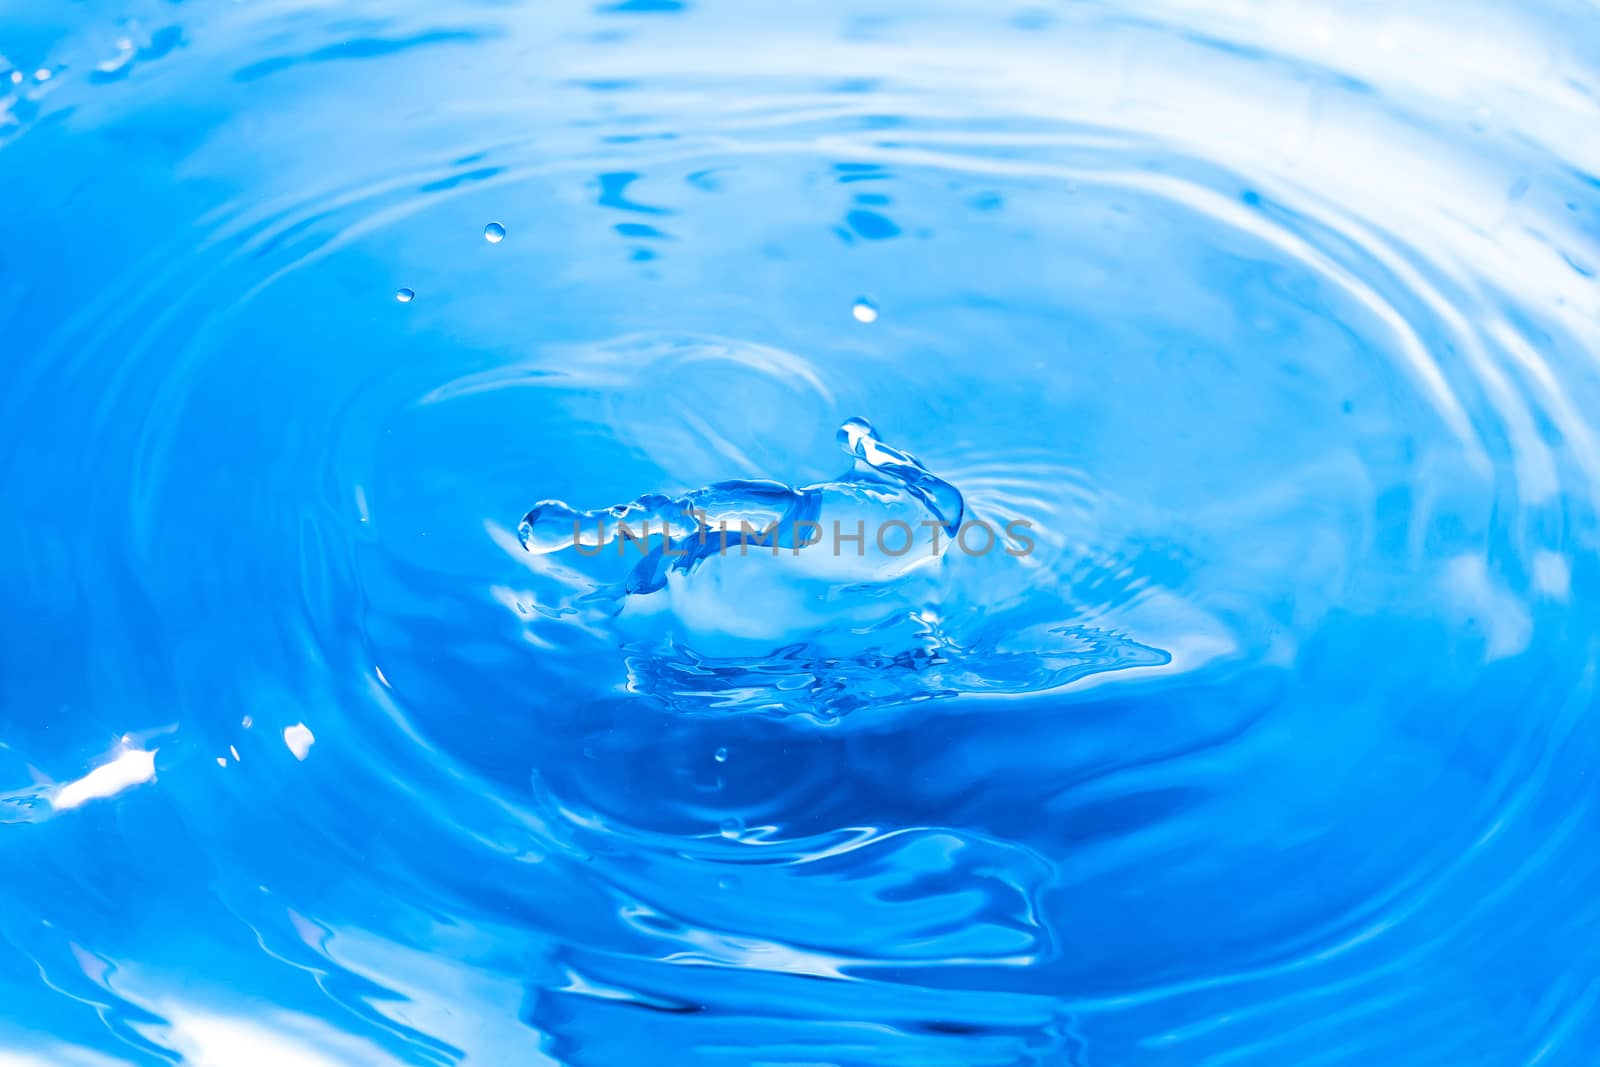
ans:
x=1279 y=322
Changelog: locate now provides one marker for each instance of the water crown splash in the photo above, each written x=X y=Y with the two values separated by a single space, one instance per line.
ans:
x=885 y=492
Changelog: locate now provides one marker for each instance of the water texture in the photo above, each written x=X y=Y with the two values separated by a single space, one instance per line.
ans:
x=1270 y=739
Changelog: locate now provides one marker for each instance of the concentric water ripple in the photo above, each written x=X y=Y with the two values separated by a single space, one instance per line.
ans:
x=1279 y=326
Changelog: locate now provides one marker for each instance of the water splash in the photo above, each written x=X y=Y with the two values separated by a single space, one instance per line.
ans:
x=766 y=609
x=884 y=486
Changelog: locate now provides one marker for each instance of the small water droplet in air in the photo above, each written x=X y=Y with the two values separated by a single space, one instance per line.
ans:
x=42 y=74
x=732 y=828
x=16 y=77
x=865 y=310
x=405 y=296
x=721 y=755
x=494 y=233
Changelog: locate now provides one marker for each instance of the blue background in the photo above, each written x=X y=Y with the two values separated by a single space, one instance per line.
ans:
x=1281 y=324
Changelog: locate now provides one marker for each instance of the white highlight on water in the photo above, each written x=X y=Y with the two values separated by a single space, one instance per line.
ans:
x=865 y=310
x=299 y=738
x=128 y=769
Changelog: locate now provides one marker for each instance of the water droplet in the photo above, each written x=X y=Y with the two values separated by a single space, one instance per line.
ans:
x=43 y=74
x=494 y=233
x=405 y=296
x=865 y=310
x=721 y=755
x=732 y=828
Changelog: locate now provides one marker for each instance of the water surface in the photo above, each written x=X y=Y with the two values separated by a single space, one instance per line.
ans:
x=1278 y=324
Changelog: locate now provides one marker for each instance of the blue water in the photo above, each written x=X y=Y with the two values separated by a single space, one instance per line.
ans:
x=1270 y=739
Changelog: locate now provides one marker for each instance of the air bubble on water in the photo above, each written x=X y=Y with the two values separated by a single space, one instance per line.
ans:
x=405 y=296
x=732 y=829
x=494 y=233
x=865 y=310
x=721 y=755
